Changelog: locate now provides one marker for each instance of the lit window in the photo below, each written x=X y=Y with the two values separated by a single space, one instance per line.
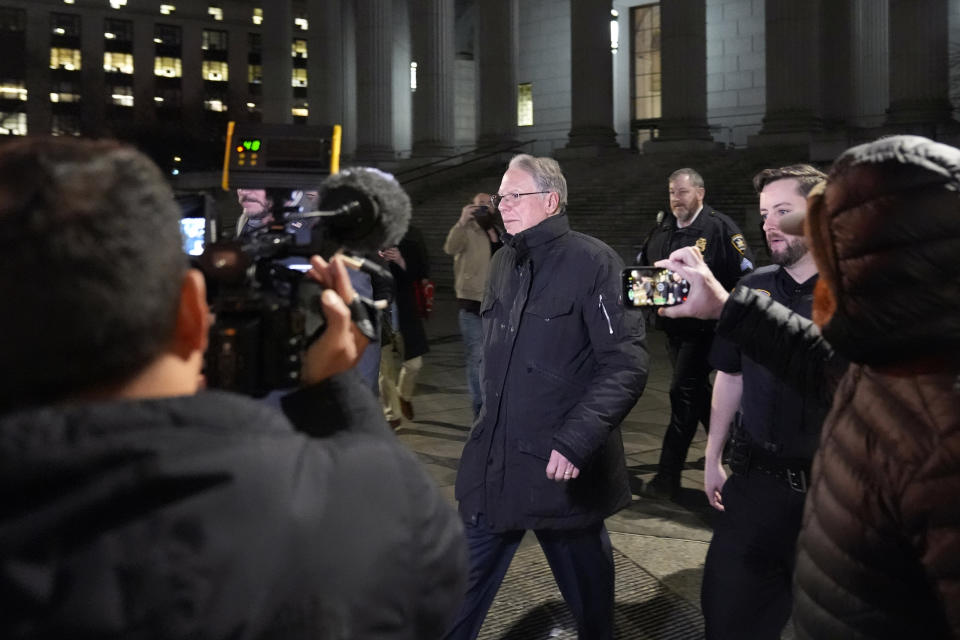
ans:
x=254 y=73
x=65 y=124
x=214 y=105
x=258 y=16
x=13 y=90
x=299 y=48
x=167 y=67
x=110 y=36
x=215 y=71
x=214 y=40
x=300 y=112
x=62 y=58
x=121 y=96
x=167 y=9
x=13 y=124
x=114 y=62
x=251 y=105
x=413 y=76
x=116 y=4
x=525 y=105
x=302 y=23
x=215 y=12
x=299 y=78
x=158 y=99
x=614 y=30
x=69 y=1
x=65 y=24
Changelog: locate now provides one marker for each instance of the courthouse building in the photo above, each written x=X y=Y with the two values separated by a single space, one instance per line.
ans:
x=431 y=78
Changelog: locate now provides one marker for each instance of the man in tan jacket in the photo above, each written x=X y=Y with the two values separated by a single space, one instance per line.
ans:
x=471 y=242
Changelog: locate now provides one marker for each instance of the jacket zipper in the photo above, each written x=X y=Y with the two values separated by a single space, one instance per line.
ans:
x=607 y=315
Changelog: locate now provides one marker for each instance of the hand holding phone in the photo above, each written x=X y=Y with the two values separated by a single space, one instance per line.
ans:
x=646 y=287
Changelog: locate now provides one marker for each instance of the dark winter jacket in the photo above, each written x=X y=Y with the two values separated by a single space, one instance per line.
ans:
x=563 y=363
x=879 y=554
x=414 y=253
x=209 y=517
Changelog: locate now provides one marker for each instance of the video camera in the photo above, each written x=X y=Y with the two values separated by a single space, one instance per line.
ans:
x=267 y=311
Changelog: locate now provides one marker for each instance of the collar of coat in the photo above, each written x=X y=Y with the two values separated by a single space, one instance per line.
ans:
x=537 y=235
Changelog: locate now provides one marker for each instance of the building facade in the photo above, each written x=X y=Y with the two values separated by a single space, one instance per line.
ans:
x=432 y=78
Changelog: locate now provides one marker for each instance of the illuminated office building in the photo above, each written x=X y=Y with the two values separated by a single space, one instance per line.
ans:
x=428 y=78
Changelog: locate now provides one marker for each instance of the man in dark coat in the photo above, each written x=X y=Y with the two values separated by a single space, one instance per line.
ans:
x=694 y=223
x=563 y=363
x=132 y=506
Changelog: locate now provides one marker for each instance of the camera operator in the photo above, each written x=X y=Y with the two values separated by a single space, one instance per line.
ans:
x=472 y=242
x=877 y=552
x=258 y=207
x=133 y=506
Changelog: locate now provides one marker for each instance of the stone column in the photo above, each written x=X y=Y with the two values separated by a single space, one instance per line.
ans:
x=237 y=60
x=591 y=75
x=93 y=82
x=39 y=111
x=277 y=95
x=683 y=47
x=144 y=50
x=325 y=64
x=433 y=102
x=870 y=90
x=191 y=84
x=374 y=20
x=793 y=72
x=919 y=92
x=497 y=51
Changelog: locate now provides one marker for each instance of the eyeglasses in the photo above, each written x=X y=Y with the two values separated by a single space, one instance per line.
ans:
x=496 y=198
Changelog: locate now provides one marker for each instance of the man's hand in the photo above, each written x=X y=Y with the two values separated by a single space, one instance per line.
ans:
x=561 y=469
x=342 y=343
x=466 y=214
x=714 y=477
x=393 y=255
x=707 y=296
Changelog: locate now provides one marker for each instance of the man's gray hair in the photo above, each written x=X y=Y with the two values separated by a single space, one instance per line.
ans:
x=695 y=178
x=546 y=174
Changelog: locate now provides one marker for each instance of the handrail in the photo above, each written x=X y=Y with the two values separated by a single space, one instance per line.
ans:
x=497 y=149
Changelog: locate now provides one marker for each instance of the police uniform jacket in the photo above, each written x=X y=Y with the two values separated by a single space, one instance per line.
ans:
x=776 y=417
x=563 y=363
x=722 y=245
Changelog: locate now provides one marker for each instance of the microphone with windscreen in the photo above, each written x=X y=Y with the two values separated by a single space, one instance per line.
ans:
x=361 y=209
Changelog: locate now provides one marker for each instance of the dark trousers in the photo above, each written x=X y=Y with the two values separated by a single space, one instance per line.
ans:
x=689 y=400
x=747 y=576
x=581 y=561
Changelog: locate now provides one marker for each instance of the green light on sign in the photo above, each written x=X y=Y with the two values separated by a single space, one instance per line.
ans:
x=251 y=145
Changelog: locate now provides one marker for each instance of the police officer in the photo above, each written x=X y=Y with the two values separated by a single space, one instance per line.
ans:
x=746 y=590
x=688 y=340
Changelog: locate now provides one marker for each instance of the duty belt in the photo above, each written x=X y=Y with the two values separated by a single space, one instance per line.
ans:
x=746 y=457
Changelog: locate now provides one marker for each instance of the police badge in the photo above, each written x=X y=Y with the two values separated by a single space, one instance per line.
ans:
x=739 y=243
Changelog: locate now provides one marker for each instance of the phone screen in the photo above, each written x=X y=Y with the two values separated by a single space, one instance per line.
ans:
x=193 y=231
x=652 y=287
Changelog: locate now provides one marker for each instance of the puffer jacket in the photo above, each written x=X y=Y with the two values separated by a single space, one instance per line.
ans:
x=879 y=553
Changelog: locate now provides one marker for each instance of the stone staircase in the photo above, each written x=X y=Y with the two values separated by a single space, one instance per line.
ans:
x=614 y=197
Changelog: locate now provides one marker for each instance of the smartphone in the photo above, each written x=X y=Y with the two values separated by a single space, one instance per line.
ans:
x=194 y=232
x=652 y=287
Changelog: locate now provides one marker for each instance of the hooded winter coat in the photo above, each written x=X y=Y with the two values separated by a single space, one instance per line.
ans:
x=879 y=553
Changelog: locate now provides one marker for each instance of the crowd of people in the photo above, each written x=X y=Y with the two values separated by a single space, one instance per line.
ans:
x=139 y=504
